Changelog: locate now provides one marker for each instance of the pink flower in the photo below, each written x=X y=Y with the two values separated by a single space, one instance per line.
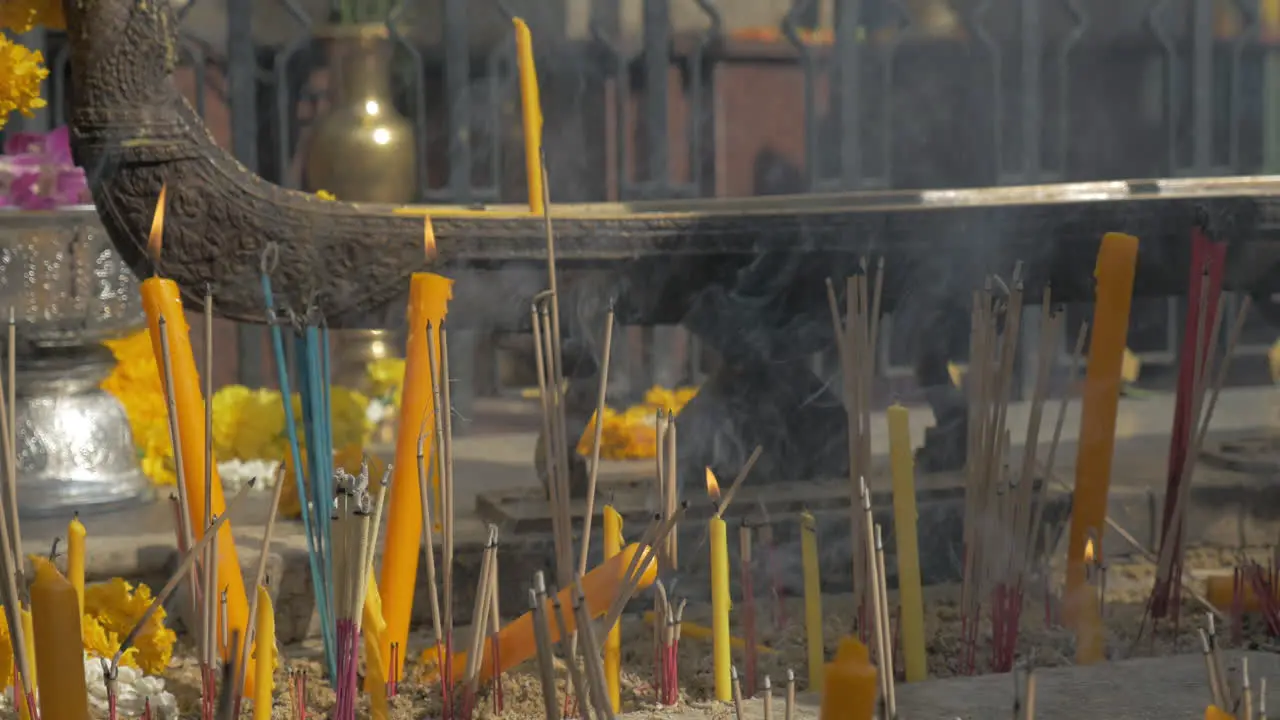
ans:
x=37 y=173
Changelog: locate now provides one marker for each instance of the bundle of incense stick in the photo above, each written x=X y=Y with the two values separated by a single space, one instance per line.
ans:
x=486 y=589
x=667 y=620
x=647 y=552
x=856 y=340
x=1210 y=373
x=354 y=517
x=542 y=642
x=1003 y=507
x=11 y=536
x=209 y=560
x=442 y=611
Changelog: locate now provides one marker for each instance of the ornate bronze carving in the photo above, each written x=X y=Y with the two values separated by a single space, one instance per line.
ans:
x=133 y=132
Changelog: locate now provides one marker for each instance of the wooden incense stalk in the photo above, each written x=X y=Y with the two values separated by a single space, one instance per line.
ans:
x=179 y=467
x=789 y=705
x=671 y=480
x=546 y=658
x=439 y=373
x=873 y=582
x=211 y=552
x=594 y=470
x=750 y=652
x=645 y=554
x=480 y=616
x=768 y=698
x=10 y=564
x=591 y=660
x=183 y=568
x=259 y=578
x=428 y=527
x=740 y=479
x=551 y=458
x=737 y=692
x=575 y=672
x=11 y=439
x=1246 y=692
x=886 y=632
x=1029 y=706
x=661 y=611
x=1215 y=691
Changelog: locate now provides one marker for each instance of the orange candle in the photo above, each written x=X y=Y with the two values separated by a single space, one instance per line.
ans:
x=516 y=642
x=531 y=111
x=429 y=297
x=850 y=686
x=160 y=298
x=55 y=611
x=1117 y=263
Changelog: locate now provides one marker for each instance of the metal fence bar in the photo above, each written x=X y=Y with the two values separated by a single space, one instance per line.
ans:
x=808 y=80
x=1202 y=100
x=1032 y=92
x=457 y=74
x=849 y=70
x=657 y=61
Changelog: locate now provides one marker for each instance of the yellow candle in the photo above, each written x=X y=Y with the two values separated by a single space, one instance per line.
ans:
x=612 y=529
x=429 y=297
x=264 y=634
x=851 y=684
x=531 y=110
x=75 y=557
x=29 y=642
x=910 y=596
x=1117 y=262
x=160 y=298
x=55 y=614
x=375 y=628
x=720 y=648
x=812 y=599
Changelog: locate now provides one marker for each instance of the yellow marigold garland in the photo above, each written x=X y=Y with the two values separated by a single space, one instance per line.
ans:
x=22 y=69
x=630 y=434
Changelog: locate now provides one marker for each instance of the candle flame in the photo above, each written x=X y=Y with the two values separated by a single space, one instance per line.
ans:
x=429 y=238
x=156 y=239
x=1088 y=550
x=713 y=485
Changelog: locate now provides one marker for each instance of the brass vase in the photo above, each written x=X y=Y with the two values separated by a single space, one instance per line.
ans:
x=362 y=149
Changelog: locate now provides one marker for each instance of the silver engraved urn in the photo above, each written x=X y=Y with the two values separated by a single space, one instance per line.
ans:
x=69 y=292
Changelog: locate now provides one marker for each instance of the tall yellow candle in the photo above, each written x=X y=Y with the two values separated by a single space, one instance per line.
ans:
x=264 y=634
x=375 y=629
x=75 y=557
x=720 y=638
x=531 y=110
x=29 y=642
x=612 y=529
x=429 y=296
x=812 y=600
x=906 y=533
x=55 y=614
x=1117 y=263
x=160 y=298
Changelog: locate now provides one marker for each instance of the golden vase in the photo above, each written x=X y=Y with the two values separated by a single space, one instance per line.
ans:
x=362 y=149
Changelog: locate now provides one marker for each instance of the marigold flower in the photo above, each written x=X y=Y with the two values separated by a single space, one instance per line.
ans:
x=21 y=72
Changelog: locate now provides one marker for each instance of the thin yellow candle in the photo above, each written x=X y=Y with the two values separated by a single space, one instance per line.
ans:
x=75 y=557
x=375 y=630
x=429 y=296
x=1114 y=273
x=264 y=634
x=612 y=529
x=161 y=299
x=812 y=600
x=910 y=595
x=720 y=639
x=531 y=110
x=55 y=614
x=29 y=642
